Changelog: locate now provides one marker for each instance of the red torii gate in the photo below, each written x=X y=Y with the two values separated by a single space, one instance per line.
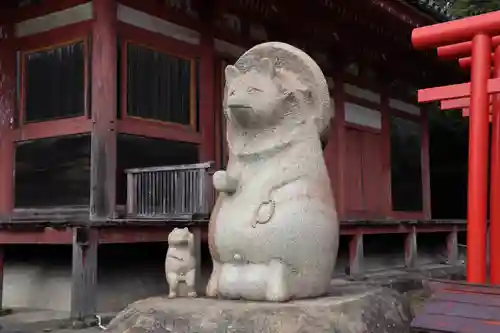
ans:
x=473 y=36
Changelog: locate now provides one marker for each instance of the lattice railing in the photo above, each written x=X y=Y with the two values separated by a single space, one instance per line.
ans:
x=179 y=191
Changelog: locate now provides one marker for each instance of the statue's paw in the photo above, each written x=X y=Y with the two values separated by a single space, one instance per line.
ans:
x=277 y=290
x=213 y=293
x=172 y=295
x=192 y=294
x=223 y=182
x=277 y=294
x=212 y=290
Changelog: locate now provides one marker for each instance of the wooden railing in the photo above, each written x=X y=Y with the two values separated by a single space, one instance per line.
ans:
x=179 y=191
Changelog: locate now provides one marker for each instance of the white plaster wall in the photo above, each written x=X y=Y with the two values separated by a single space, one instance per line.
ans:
x=362 y=93
x=54 y=20
x=37 y=285
x=405 y=107
x=360 y=115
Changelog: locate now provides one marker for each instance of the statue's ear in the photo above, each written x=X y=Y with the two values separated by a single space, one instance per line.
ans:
x=303 y=90
x=266 y=66
x=306 y=92
x=231 y=73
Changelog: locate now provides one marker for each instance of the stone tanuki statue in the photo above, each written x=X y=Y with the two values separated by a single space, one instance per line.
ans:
x=273 y=232
x=180 y=263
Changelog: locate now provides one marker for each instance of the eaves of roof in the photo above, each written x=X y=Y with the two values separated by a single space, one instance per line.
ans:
x=430 y=8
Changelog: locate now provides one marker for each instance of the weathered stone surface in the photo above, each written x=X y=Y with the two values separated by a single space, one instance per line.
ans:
x=353 y=311
x=273 y=233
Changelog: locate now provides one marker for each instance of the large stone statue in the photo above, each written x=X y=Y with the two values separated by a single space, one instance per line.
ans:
x=180 y=263
x=273 y=233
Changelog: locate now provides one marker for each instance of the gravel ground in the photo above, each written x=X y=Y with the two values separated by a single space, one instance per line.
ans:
x=417 y=299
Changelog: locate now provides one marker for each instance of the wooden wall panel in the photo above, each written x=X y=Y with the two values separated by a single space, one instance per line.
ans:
x=364 y=181
x=7 y=110
x=354 y=200
x=373 y=180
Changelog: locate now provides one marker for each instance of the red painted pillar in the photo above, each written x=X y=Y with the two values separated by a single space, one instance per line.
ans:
x=207 y=85
x=7 y=110
x=104 y=85
x=426 y=177
x=495 y=183
x=386 y=152
x=478 y=159
x=339 y=141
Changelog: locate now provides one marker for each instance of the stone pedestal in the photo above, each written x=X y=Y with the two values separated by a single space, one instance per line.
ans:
x=349 y=311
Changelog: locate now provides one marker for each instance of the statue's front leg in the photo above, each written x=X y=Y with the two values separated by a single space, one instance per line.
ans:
x=213 y=283
x=191 y=282
x=173 y=281
x=277 y=290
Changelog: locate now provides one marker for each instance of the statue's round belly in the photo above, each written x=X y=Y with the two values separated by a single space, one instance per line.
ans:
x=233 y=230
x=297 y=228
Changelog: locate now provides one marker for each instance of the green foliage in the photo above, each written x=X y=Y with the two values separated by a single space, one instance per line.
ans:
x=462 y=8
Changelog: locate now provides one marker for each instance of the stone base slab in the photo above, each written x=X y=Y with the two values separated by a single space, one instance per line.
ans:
x=349 y=310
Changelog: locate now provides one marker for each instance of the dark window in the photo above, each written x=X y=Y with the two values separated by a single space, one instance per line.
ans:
x=53 y=172
x=158 y=85
x=119 y=73
x=25 y=3
x=406 y=167
x=54 y=83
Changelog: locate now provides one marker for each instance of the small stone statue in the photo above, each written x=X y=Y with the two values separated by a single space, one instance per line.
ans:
x=273 y=233
x=180 y=263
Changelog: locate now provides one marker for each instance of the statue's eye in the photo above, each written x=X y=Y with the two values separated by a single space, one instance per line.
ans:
x=252 y=90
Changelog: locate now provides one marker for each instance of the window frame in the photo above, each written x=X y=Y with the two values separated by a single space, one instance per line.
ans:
x=222 y=148
x=123 y=85
x=23 y=52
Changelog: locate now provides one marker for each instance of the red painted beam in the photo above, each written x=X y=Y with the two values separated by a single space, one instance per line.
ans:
x=467 y=61
x=456 y=31
x=53 y=128
x=40 y=236
x=158 y=130
x=458 y=103
x=454 y=91
x=461 y=49
x=129 y=234
x=466 y=113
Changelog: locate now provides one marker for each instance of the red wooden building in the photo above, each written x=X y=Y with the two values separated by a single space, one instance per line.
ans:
x=111 y=122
